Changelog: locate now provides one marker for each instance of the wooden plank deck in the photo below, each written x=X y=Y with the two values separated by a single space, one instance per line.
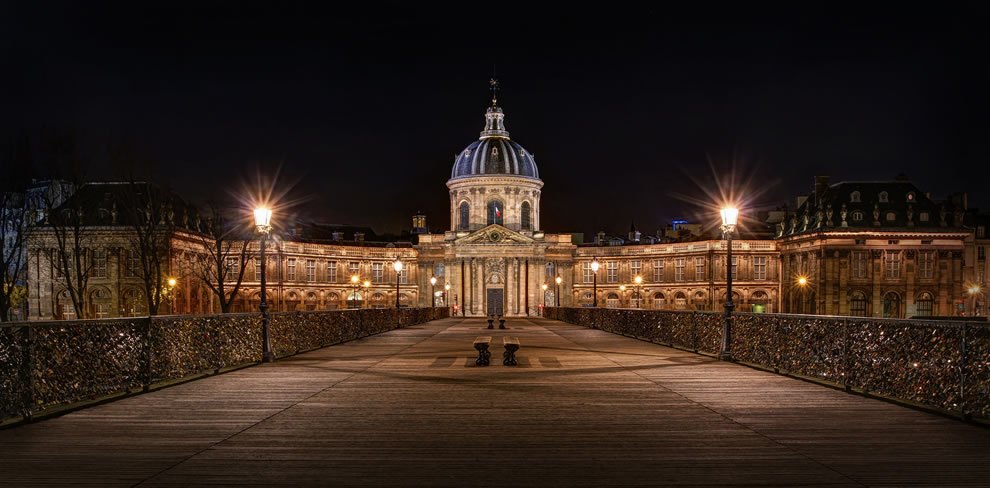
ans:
x=582 y=408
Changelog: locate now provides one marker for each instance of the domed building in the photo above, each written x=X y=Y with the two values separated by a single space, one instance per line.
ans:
x=495 y=257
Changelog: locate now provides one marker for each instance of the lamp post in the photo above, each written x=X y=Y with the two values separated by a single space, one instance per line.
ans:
x=263 y=223
x=544 y=287
x=729 y=217
x=397 y=265
x=446 y=293
x=594 y=272
x=356 y=280
x=639 y=281
x=556 y=293
x=974 y=292
x=433 y=289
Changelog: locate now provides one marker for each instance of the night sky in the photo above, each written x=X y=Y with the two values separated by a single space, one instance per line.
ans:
x=629 y=113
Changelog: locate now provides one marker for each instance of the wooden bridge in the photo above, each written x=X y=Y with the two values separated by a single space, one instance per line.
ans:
x=582 y=408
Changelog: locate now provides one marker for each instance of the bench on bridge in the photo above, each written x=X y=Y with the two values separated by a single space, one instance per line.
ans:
x=511 y=346
x=481 y=344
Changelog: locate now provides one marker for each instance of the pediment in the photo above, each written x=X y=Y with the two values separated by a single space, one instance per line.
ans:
x=494 y=234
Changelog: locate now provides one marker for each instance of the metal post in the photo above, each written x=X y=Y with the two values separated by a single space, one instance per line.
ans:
x=726 y=354
x=433 y=293
x=594 y=292
x=266 y=345
x=397 y=290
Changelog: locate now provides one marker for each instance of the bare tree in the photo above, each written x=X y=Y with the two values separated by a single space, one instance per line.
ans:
x=70 y=258
x=227 y=252
x=13 y=228
x=151 y=221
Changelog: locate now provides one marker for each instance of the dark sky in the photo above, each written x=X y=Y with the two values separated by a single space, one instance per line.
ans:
x=364 y=111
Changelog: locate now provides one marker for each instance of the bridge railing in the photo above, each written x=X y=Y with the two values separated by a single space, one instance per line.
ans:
x=939 y=364
x=48 y=366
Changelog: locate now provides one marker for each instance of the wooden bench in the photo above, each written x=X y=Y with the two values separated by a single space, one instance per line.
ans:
x=511 y=346
x=481 y=344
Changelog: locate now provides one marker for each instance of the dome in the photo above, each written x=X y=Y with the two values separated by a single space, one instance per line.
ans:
x=494 y=153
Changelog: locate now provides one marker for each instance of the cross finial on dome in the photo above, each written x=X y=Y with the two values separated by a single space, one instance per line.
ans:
x=493 y=84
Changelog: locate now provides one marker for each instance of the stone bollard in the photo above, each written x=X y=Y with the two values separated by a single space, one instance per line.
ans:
x=490 y=322
x=501 y=322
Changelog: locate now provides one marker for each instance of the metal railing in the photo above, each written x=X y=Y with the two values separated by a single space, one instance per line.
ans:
x=938 y=364
x=48 y=366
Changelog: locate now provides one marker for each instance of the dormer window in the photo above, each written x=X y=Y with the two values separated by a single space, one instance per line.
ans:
x=891 y=216
x=923 y=216
x=883 y=197
x=854 y=197
x=910 y=197
x=857 y=216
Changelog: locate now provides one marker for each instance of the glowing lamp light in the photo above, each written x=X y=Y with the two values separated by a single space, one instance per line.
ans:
x=544 y=286
x=638 y=279
x=172 y=282
x=730 y=216
x=446 y=286
x=595 y=265
x=355 y=279
x=559 y=280
x=433 y=281
x=802 y=281
x=263 y=217
x=397 y=265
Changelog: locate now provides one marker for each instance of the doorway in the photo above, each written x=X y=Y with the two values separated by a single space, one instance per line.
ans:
x=496 y=299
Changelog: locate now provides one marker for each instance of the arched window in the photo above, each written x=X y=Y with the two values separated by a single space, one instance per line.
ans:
x=759 y=301
x=525 y=217
x=926 y=304
x=891 y=305
x=857 y=216
x=854 y=197
x=311 y=301
x=612 y=300
x=464 y=219
x=699 y=301
x=496 y=212
x=857 y=304
x=659 y=301
x=680 y=301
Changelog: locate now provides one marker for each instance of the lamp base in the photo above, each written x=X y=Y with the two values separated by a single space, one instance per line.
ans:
x=726 y=356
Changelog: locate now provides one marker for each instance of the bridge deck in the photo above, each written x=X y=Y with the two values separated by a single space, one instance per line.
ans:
x=582 y=408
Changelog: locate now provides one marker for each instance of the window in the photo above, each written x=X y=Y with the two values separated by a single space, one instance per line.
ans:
x=883 y=197
x=699 y=269
x=981 y=231
x=587 y=275
x=659 y=301
x=100 y=263
x=612 y=300
x=679 y=264
x=331 y=271
x=102 y=310
x=496 y=212
x=981 y=252
x=891 y=216
x=310 y=270
x=353 y=268
x=857 y=216
x=735 y=267
x=859 y=260
x=257 y=269
x=699 y=300
x=923 y=216
x=680 y=301
x=377 y=273
x=612 y=272
x=658 y=270
x=857 y=304
x=854 y=197
x=232 y=267
x=132 y=265
x=926 y=264
x=635 y=267
x=403 y=275
x=464 y=220
x=891 y=306
x=525 y=218
x=759 y=267
x=892 y=264
x=439 y=270
x=926 y=305
x=291 y=273
x=551 y=271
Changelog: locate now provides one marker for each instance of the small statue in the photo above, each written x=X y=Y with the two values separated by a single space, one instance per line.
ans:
x=910 y=215
x=941 y=215
x=113 y=213
x=793 y=223
x=805 y=220
x=844 y=213
x=818 y=218
x=876 y=214
x=828 y=215
x=780 y=228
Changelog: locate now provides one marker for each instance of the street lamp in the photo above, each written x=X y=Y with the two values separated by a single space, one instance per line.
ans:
x=397 y=265
x=639 y=281
x=594 y=272
x=356 y=280
x=556 y=293
x=433 y=290
x=263 y=223
x=544 y=286
x=729 y=217
x=446 y=295
x=974 y=290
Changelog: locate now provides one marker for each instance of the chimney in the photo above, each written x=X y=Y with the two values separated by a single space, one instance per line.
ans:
x=634 y=234
x=600 y=238
x=821 y=184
